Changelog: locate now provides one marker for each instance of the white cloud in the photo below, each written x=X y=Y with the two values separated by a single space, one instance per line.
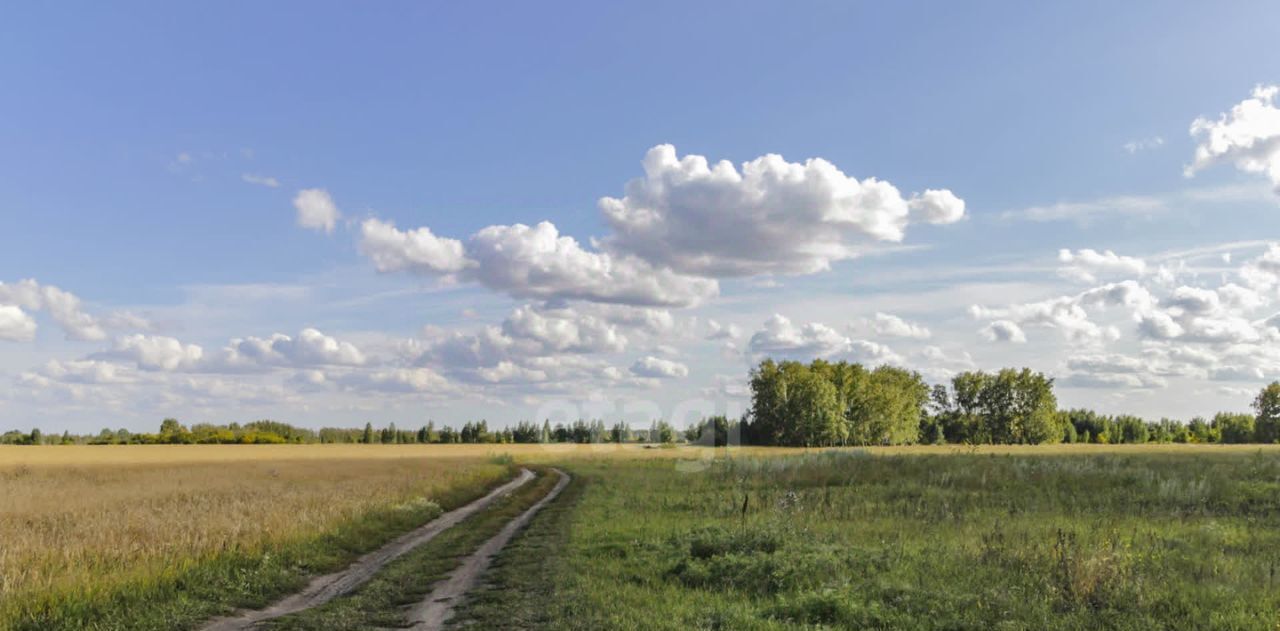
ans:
x=64 y=307
x=1143 y=144
x=309 y=348
x=659 y=368
x=564 y=330
x=397 y=380
x=1141 y=206
x=538 y=262
x=418 y=251
x=781 y=338
x=160 y=353
x=262 y=180
x=154 y=352
x=1109 y=380
x=1082 y=211
x=16 y=325
x=1247 y=136
x=1263 y=272
x=893 y=326
x=871 y=353
x=1068 y=314
x=1003 y=331
x=720 y=331
x=84 y=371
x=532 y=262
x=772 y=216
x=543 y=344
x=316 y=210
x=510 y=372
x=1087 y=265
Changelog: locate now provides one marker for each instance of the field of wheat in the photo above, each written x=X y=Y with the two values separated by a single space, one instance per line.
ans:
x=84 y=526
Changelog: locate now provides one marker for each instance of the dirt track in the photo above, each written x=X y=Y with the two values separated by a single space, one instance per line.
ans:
x=325 y=588
x=432 y=613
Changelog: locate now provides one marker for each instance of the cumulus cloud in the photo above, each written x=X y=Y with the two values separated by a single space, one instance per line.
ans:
x=82 y=371
x=544 y=344
x=893 y=326
x=160 y=353
x=16 y=325
x=938 y=365
x=658 y=368
x=720 y=331
x=316 y=210
x=64 y=307
x=309 y=348
x=532 y=262
x=1247 y=136
x=772 y=216
x=396 y=380
x=1263 y=272
x=871 y=353
x=419 y=251
x=1003 y=331
x=564 y=330
x=1087 y=265
x=1068 y=314
x=154 y=352
x=780 y=337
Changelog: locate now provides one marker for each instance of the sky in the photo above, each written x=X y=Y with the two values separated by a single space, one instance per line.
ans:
x=337 y=213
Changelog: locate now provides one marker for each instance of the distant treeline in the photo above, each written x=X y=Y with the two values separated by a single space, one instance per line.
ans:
x=792 y=404
x=172 y=432
x=825 y=404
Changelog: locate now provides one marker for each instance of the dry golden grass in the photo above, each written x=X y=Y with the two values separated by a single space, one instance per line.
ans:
x=90 y=519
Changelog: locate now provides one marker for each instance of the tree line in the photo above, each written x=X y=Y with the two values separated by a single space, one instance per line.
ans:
x=173 y=432
x=825 y=404
x=792 y=404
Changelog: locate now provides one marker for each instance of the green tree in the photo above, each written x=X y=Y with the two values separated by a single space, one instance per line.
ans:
x=367 y=437
x=1267 y=406
x=813 y=410
x=885 y=406
x=1233 y=428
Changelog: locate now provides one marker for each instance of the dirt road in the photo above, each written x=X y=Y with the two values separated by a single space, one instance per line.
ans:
x=432 y=613
x=325 y=588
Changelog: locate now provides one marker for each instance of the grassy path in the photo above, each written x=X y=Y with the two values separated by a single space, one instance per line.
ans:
x=432 y=613
x=386 y=600
x=523 y=587
x=325 y=588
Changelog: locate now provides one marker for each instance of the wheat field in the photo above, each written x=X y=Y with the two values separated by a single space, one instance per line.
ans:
x=79 y=523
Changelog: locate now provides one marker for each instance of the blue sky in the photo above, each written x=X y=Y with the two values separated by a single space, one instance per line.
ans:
x=151 y=157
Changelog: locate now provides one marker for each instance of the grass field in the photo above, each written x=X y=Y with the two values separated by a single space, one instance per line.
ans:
x=1183 y=538
x=1070 y=537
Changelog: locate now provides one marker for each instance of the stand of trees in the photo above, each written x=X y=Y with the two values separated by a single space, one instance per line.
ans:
x=825 y=404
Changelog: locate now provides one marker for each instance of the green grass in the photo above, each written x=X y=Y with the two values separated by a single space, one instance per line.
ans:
x=523 y=581
x=850 y=540
x=188 y=595
x=382 y=602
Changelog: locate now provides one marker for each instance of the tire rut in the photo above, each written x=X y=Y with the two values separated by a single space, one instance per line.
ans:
x=322 y=589
x=435 y=610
